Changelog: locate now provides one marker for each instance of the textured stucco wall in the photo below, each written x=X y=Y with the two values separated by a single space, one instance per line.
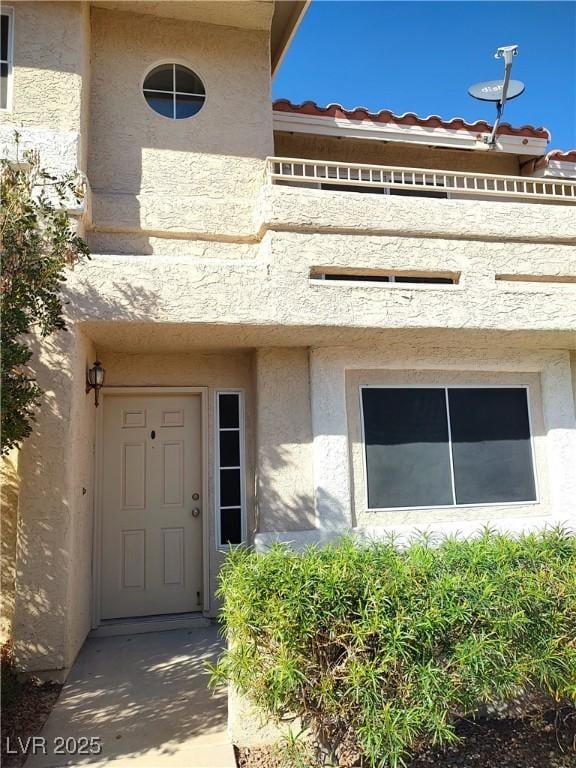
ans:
x=49 y=50
x=54 y=524
x=53 y=536
x=79 y=471
x=387 y=153
x=223 y=370
x=201 y=254
x=270 y=286
x=9 y=488
x=311 y=210
x=237 y=291
x=50 y=84
x=284 y=440
x=555 y=436
x=195 y=175
x=250 y=14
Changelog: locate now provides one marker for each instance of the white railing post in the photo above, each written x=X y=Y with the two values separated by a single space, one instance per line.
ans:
x=395 y=177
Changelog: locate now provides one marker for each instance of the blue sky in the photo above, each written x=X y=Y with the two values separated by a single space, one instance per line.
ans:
x=421 y=56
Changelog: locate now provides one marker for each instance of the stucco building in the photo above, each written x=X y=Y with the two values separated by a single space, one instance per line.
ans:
x=311 y=320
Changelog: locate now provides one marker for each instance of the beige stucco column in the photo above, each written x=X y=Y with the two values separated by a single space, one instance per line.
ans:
x=331 y=466
x=283 y=440
x=54 y=537
x=9 y=521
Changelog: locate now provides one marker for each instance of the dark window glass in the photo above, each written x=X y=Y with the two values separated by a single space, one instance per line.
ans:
x=188 y=81
x=186 y=106
x=163 y=103
x=230 y=494
x=230 y=449
x=417 y=193
x=230 y=526
x=3 y=86
x=407 y=452
x=182 y=87
x=352 y=188
x=388 y=279
x=491 y=446
x=360 y=278
x=160 y=79
x=433 y=280
x=4 y=26
x=229 y=411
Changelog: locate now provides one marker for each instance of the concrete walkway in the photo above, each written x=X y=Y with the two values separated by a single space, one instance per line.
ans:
x=145 y=698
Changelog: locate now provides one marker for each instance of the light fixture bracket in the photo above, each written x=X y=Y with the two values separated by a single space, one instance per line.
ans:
x=95 y=380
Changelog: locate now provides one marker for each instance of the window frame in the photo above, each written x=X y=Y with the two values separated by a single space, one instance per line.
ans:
x=371 y=278
x=455 y=505
x=217 y=467
x=390 y=191
x=9 y=12
x=172 y=62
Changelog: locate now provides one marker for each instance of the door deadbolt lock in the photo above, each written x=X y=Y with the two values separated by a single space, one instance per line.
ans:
x=196 y=512
x=195 y=496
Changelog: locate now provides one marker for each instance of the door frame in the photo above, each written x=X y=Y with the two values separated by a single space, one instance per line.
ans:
x=99 y=480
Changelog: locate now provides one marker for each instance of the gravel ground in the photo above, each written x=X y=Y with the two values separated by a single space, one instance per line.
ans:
x=25 y=707
x=487 y=744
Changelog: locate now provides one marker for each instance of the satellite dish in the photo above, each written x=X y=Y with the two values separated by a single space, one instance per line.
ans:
x=492 y=90
x=499 y=91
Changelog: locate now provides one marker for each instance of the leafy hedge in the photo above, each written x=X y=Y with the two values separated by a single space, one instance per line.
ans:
x=378 y=649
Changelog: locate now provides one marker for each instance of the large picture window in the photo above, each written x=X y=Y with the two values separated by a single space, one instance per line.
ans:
x=447 y=446
x=230 y=523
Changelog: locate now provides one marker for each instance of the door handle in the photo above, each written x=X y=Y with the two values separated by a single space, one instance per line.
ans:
x=196 y=512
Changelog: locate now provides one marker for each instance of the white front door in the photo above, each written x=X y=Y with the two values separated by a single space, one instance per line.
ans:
x=152 y=505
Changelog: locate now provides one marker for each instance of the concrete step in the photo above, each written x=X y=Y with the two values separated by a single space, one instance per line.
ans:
x=140 y=626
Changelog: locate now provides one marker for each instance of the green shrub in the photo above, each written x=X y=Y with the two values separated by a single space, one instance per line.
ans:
x=378 y=649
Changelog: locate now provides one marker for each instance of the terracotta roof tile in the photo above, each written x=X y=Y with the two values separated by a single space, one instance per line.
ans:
x=409 y=118
x=564 y=157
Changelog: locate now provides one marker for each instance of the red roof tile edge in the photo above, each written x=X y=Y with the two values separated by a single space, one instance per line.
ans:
x=564 y=157
x=537 y=163
x=409 y=118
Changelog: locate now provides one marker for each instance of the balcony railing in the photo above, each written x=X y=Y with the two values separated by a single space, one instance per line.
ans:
x=433 y=183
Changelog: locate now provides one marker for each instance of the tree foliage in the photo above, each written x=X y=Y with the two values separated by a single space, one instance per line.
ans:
x=37 y=243
x=377 y=650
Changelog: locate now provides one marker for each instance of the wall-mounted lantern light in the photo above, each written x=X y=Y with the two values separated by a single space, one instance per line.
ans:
x=95 y=380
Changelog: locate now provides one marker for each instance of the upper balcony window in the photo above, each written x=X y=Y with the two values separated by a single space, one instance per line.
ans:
x=174 y=91
x=6 y=33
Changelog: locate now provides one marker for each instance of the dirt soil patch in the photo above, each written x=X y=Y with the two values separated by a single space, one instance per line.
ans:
x=548 y=743
x=25 y=708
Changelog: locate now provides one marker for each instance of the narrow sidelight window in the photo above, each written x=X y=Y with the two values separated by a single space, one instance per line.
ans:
x=6 y=38
x=456 y=446
x=230 y=523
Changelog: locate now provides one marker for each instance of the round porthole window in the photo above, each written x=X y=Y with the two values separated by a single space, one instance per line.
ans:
x=174 y=91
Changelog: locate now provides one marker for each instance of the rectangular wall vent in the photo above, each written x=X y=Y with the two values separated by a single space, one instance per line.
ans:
x=377 y=276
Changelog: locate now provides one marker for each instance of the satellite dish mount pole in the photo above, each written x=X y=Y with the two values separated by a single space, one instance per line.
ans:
x=506 y=52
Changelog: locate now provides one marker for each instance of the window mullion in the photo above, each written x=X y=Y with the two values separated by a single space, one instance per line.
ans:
x=174 y=91
x=450 y=445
